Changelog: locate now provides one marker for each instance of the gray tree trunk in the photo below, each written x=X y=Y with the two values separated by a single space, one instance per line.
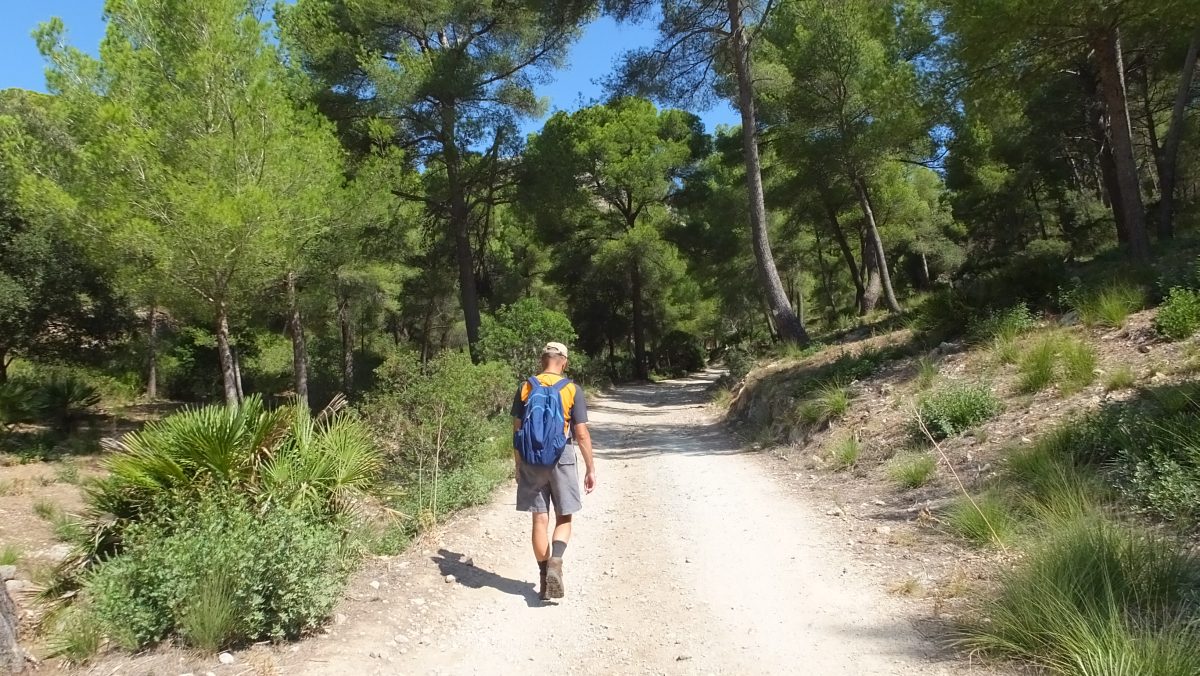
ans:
x=875 y=243
x=872 y=283
x=460 y=224
x=152 y=356
x=299 y=349
x=1111 y=68
x=790 y=327
x=229 y=376
x=1170 y=150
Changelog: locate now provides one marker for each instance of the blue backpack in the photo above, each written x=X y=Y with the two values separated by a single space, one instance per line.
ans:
x=541 y=439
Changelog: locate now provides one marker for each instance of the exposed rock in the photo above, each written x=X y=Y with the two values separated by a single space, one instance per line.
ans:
x=7 y=573
x=450 y=579
x=12 y=658
x=227 y=658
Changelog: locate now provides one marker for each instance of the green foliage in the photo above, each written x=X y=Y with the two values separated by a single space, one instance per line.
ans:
x=829 y=402
x=516 y=334
x=927 y=373
x=74 y=636
x=912 y=470
x=1178 y=317
x=286 y=456
x=1120 y=378
x=1057 y=359
x=985 y=519
x=679 y=353
x=1110 y=305
x=1003 y=325
x=954 y=409
x=739 y=360
x=10 y=555
x=219 y=571
x=1096 y=598
x=845 y=452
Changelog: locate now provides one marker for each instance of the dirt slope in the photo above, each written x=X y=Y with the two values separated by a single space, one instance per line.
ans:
x=691 y=557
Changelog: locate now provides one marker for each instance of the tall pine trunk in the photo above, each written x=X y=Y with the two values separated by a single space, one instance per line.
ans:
x=152 y=354
x=872 y=283
x=843 y=243
x=875 y=243
x=642 y=369
x=1110 y=67
x=229 y=377
x=790 y=327
x=299 y=349
x=460 y=224
x=1170 y=149
x=347 y=332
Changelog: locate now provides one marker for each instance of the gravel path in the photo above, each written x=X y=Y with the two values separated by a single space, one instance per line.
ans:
x=690 y=558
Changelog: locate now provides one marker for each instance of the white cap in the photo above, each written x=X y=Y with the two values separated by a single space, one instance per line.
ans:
x=555 y=348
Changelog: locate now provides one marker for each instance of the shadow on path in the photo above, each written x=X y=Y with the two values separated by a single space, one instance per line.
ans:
x=451 y=563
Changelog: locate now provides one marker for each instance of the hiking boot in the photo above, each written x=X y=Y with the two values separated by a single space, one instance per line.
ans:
x=554 y=579
x=542 y=588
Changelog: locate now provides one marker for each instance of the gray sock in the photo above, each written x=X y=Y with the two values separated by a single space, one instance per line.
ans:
x=557 y=548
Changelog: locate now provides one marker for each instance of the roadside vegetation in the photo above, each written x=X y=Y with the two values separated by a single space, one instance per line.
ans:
x=270 y=277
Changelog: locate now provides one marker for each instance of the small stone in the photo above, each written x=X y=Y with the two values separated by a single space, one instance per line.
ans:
x=375 y=584
x=226 y=658
x=1144 y=349
x=401 y=638
x=883 y=530
x=450 y=579
x=418 y=601
x=468 y=561
x=836 y=511
x=339 y=619
x=16 y=586
x=879 y=502
x=7 y=573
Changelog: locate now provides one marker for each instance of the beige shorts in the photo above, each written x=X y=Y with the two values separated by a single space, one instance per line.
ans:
x=538 y=487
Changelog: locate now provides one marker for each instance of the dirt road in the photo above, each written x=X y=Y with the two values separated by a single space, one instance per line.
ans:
x=690 y=558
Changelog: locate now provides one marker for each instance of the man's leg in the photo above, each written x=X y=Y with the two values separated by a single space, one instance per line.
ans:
x=562 y=534
x=541 y=549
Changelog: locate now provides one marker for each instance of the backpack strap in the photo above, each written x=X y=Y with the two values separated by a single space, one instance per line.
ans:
x=533 y=382
x=562 y=382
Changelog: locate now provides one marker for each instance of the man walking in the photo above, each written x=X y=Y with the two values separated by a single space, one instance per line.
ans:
x=545 y=458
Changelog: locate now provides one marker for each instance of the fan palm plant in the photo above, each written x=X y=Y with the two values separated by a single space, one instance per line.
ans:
x=325 y=463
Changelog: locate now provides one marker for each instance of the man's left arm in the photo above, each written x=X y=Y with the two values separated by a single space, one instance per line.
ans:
x=583 y=438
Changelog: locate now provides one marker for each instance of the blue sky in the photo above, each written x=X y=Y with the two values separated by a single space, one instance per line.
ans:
x=591 y=57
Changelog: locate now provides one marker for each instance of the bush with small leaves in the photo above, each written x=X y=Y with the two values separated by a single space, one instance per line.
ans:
x=953 y=410
x=219 y=572
x=1179 y=316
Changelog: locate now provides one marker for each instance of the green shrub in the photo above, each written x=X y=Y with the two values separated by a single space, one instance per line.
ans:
x=1109 y=306
x=1096 y=599
x=912 y=470
x=18 y=403
x=219 y=572
x=986 y=518
x=516 y=334
x=845 y=452
x=10 y=555
x=74 y=636
x=64 y=399
x=1120 y=378
x=1179 y=316
x=324 y=464
x=1004 y=324
x=679 y=353
x=927 y=373
x=1078 y=365
x=739 y=361
x=1036 y=369
x=955 y=409
x=1054 y=485
x=828 y=403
